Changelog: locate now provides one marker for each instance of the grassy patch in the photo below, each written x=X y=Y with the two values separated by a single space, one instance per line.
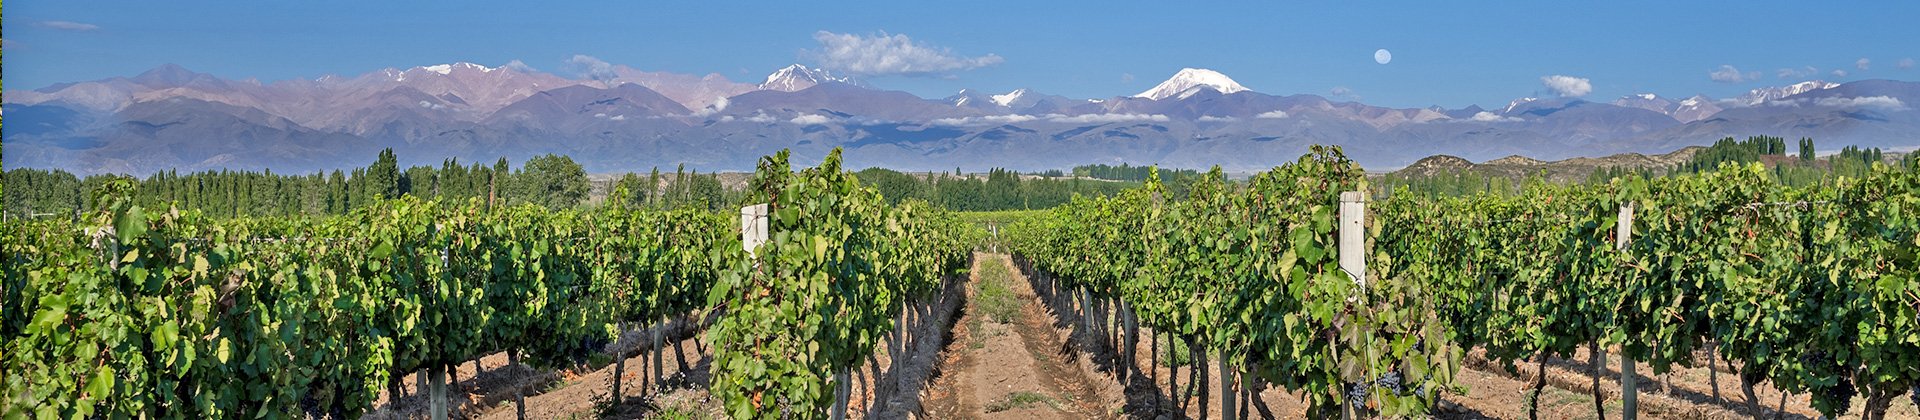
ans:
x=994 y=294
x=1019 y=400
x=599 y=360
x=1175 y=354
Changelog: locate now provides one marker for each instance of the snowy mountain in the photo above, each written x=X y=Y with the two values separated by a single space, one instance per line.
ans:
x=1190 y=81
x=1762 y=95
x=174 y=118
x=1511 y=106
x=797 y=77
x=1647 y=101
x=1696 y=108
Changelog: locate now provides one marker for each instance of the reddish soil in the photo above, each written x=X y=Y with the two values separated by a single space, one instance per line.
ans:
x=1016 y=369
x=1065 y=371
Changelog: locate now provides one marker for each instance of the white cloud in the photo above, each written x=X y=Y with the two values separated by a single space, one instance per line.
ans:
x=719 y=104
x=1106 y=118
x=1905 y=63
x=883 y=54
x=1568 y=86
x=69 y=25
x=1274 y=114
x=1839 y=73
x=1729 y=74
x=591 y=67
x=810 y=119
x=755 y=118
x=1882 y=102
x=518 y=65
x=1126 y=77
x=621 y=117
x=1862 y=63
x=1056 y=118
x=1485 y=116
x=1342 y=92
x=432 y=106
x=984 y=120
x=1799 y=73
x=1210 y=118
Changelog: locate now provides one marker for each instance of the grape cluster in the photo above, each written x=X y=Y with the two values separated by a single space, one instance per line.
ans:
x=1816 y=358
x=1357 y=393
x=1390 y=382
x=1840 y=396
x=1915 y=394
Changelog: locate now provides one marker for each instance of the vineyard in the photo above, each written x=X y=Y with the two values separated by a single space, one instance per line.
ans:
x=158 y=313
x=1813 y=290
x=1361 y=302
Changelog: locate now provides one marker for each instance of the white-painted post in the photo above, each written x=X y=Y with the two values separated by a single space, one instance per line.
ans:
x=1353 y=235
x=1353 y=258
x=753 y=227
x=1629 y=381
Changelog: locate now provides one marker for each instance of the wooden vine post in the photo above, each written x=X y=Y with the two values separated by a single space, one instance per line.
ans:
x=1629 y=395
x=438 y=405
x=1353 y=257
x=1353 y=235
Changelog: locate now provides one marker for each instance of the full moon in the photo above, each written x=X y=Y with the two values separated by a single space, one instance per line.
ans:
x=1382 y=56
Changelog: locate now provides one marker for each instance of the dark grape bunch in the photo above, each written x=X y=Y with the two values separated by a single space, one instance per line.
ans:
x=1357 y=393
x=1390 y=382
x=1914 y=395
x=1840 y=396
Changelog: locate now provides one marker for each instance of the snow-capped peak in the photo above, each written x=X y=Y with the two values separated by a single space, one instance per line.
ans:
x=1647 y=96
x=448 y=68
x=797 y=77
x=1188 y=81
x=1762 y=95
x=1516 y=103
x=1008 y=98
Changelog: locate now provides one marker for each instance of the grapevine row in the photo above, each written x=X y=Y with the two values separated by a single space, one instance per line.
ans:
x=145 y=314
x=836 y=274
x=1812 y=289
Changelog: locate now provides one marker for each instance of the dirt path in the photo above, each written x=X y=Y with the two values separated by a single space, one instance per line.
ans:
x=1006 y=361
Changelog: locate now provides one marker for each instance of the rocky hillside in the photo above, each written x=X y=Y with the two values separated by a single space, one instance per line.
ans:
x=1517 y=167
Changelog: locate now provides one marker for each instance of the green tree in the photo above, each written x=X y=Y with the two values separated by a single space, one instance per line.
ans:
x=551 y=180
x=383 y=178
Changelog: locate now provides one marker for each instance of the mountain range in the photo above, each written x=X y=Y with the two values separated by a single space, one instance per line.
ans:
x=631 y=120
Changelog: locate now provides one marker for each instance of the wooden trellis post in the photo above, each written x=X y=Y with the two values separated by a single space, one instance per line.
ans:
x=1629 y=381
x=1353 y=258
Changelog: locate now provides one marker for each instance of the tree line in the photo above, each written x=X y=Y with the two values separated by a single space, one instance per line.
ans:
x=1126 y=172
x=999 y=189
x=553 y=181
x=1801 y=168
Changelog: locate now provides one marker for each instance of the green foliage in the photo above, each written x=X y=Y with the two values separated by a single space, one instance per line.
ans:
x=551 y=181
x=1131 y=173
x=140 y=313
x=1253 y=269
x=1736 y=151
x=383 y=178
x=838 y=265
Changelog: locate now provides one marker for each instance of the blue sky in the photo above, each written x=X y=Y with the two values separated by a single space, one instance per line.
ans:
x=1445 y=53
